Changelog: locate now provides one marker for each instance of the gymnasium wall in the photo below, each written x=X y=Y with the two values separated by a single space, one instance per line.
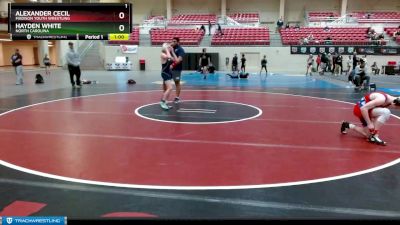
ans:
x=26 y=49
x=110 y=1
x=1 y=55
x=144 y=8
x=196 y=6
x=295 y=9
x=279 y=58
x=268 y=9
x=373 y=5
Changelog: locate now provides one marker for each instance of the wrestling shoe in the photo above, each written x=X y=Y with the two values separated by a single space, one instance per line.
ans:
x=376 y=140
x=164 y=105
x=344 y=127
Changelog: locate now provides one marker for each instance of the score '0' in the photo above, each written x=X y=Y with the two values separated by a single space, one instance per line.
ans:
x=121 y=16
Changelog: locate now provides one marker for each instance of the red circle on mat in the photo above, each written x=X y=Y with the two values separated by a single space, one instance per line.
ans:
x=99 y=138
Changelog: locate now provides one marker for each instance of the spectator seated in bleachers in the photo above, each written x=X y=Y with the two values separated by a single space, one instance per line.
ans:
x=307 y=40
x=203 y=28
x=381 y=39
x=328 y=40
x=374 y=37
x=304 y=41
x=393 y=32
x=370 y=32
x=310 y=37
x=396 y=33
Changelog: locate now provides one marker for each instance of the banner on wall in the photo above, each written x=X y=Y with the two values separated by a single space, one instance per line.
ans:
x=127 y=49
x=346 y=50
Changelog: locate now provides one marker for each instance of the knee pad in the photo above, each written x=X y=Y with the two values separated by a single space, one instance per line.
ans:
x=384 y=115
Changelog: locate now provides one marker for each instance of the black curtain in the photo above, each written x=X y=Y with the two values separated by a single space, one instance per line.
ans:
x=191 y=60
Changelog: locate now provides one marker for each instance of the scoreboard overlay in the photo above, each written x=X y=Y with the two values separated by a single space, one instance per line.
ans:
x=65 y=21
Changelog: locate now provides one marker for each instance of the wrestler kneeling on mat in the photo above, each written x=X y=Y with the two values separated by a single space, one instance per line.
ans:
x=373 y=112
x=168 y=57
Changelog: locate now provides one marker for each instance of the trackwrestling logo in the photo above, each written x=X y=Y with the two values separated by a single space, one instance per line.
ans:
x=17 y=220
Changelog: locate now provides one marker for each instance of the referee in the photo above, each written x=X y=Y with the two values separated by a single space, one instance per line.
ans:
x=73 y=61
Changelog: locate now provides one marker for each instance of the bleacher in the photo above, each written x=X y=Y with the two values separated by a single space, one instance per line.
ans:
x=377 y=17
x=156 y=18
x=245 y=17
x=133 y=39
x=340 y=36
x=195 y=19
x=188 y=37
x=390 y=30
x=242 y=36
x=322 y=16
